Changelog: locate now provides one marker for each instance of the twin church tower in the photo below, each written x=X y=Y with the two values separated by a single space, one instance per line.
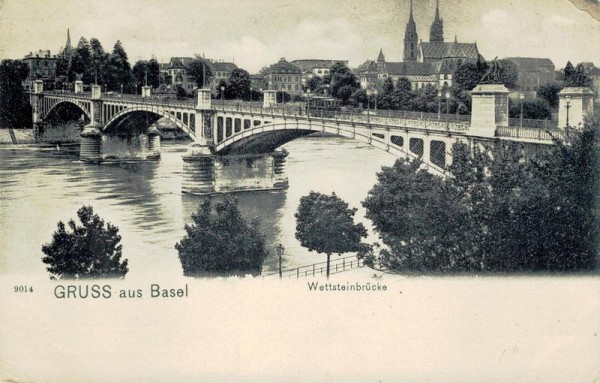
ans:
x=411 y=38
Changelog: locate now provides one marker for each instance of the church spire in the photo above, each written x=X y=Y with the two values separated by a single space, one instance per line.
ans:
x=436 y=33
x=410 y=37
x=68 y=46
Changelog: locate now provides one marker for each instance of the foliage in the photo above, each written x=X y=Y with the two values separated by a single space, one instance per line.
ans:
x=198 y=68
x=575 y=77
x=238 y=85
x=221 y=241
x=360 y=96
x=88 y=251
x=341 y=76
x=403 y=85
x=496 y=212
x=181 y=92
x=81 y=62
x=282 y=96
x=153 y=72
x=325 y=224
x=15 y=111
x=388 y=86
x=119 y=70
x=549 y=92
x=535 y=109
x=508 y=73
x=314 y=83
x=98 y=60
x=468 y=75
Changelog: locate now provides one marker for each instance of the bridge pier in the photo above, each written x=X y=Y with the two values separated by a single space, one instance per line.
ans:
x=154 y=138
x=205 y=174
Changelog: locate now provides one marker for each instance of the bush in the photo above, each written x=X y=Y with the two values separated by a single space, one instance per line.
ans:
x=221 y=241
x=88 y=251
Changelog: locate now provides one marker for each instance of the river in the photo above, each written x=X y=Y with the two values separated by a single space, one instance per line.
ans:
x=40 y=186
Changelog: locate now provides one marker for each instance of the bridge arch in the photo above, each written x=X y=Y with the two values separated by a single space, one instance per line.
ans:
x=292 y=129
x=156 y=110
x=80 y=105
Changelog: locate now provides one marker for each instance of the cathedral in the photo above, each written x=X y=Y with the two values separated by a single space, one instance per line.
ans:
x=431 y=63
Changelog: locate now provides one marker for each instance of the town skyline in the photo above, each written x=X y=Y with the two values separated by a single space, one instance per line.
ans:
x=555 y=29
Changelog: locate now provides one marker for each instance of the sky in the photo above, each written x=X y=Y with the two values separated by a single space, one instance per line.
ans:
x=258 y=33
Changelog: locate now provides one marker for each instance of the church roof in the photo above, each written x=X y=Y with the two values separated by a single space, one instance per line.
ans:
x=368 y=66
x=439 y=50
x=381 y=57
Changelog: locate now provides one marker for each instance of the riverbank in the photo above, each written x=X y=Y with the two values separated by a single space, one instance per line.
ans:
x=16 y=136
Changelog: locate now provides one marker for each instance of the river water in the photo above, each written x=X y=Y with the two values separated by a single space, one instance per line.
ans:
x=40 y=186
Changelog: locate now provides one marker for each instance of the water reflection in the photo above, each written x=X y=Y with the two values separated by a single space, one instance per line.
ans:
x=39 y=187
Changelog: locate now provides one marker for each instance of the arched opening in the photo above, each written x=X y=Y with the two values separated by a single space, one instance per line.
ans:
x=63 y=124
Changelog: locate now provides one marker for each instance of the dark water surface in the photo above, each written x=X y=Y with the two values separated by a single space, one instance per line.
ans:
x=40 y=186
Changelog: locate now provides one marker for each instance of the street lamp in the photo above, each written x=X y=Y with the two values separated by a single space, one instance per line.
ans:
x=280 y=249
x=222 y=95
x=439 y=105
x=308 y=102
x=375 y=93
x=568 y=106
x=521 y=97
x=121 y=90
x=447 y=110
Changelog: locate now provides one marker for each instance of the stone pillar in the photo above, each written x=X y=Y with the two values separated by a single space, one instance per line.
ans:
x=269 y=98
x=96 y=92
x=490 y=109
x=154 y=137
x=146 y=91
x=36 y=100
x=577 y=103
x=78 y=86
x=203 y=99
x=90 y=149
x=198 y=170
x=280 y=181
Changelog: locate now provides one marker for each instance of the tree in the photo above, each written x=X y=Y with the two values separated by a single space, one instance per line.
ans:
x=498 y=211
x=88 y=251
x=325 y=224
x=15 y=111
x=403 y=85
x=314 y=83
x=360 y=96
x=140 y=74
x=468 y=75
x=508 y=73
x=199 y=68
x=221 y=241
x=338 y=77
x=549 y=92
x=119 y=70
x=569 y=74
x=238 y=85
x=536 y=109
x=153 y=72
x=181 y=92
x=81 y=62
x=388 y=86
x=98 y=59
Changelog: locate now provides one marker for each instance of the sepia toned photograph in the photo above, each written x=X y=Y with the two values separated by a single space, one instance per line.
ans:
x=322 y=191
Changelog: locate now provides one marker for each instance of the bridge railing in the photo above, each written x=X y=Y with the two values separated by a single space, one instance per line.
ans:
x=337 y=265
x=529 y=133
x=539 y=124
x=455 y=123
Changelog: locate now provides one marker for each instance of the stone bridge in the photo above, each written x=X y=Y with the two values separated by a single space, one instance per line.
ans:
x=239 y=140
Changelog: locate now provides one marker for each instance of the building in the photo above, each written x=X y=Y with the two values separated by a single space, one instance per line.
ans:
x=221 y=71
x=533 y=72
x=315 y=67
x=284 y=76
x=175 y=72
x=42 y=65
x=431 y=63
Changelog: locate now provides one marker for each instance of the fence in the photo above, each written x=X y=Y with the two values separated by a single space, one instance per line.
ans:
x=529 y=133
x=337 y=265
x=538 y=124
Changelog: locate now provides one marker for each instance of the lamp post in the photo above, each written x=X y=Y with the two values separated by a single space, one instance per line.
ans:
x=375 y=93
x=447 y=110
x=568 y=106
x=280 y=249
x=308 y=102
x=521 y=97
x=439 y=105
x=222 y=96
x=121 y=90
